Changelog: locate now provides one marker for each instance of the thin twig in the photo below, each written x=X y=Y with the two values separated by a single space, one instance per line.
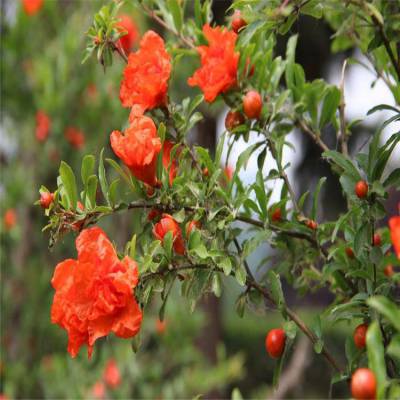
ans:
x=386 y=43
x=283 y=175
x=161 y=22
x=316 y=138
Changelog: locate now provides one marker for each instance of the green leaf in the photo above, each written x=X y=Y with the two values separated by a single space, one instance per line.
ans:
x=315 y=200
x=216 y=284
x=91 y=190
x=276 y=289
x=376 y=356
x=393 y=179
x=87 y=167
x=394 y=347
x=167 y=244
x=387 y=308
x=132 y=247
x=343 y=162
x=103 y=178
x=240 y=275
x=69 y=182
x=226 y=265
x=329 y=106
x=177 y=14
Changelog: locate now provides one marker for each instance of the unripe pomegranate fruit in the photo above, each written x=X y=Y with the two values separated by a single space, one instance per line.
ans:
x=252 y=104
x=237 y=21
x=233 y=119
x=349 y=251
x=276 y=215
x=363 y=384
x=46 y=198
x=360 y=335
x=275 y=342
x=377 y=239
x=388 y=271
x=361 y=189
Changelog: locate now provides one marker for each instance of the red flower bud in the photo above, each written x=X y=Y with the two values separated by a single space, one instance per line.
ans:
x=161 y=326
x=275 y=342
x=363 y=384
x=233 y=119
x=112 y=376
x=377 y=239
x=205 y=171
x=191 y=225
x=252 y=104
x=276 y=215
x=10 y=218
x=349 y=251
x=168 y=224
x=359 y=336
x=388 y=271
x=312 y=224
x=237 y=21
x=361 y=189
x=46 y=198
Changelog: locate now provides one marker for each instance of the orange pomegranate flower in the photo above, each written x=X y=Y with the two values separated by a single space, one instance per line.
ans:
x=394 y=225
x=75 y=137
x=219 y=63
x=93 y=294
x=98 y=390
x=112 y=376
x=139 y=146
x=42 y=126
x=168 y=224
x=31 y=7
x=145 y=80
x=127 y=25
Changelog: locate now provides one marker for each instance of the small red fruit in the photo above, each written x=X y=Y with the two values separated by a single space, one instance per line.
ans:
x=311 y=224
x=363 y=384
x=360 y=335
x=237 y=21
x=275 y=342
x=377 y=239
x=361 y=189
x=388 y=271
x=252 y=104
x=205 y=172
x=349 y=251
x=276 y=215
x=46 y=198
x=191 y=225
x=233 y=119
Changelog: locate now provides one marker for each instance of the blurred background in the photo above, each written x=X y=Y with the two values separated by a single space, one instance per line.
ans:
x=56 y=108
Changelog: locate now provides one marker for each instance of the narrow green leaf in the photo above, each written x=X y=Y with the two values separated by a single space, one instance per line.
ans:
x=316 y=196
x=103 y=178
x=387 y=308
x=87 y=167
x=69 y=182
x=376 y=356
